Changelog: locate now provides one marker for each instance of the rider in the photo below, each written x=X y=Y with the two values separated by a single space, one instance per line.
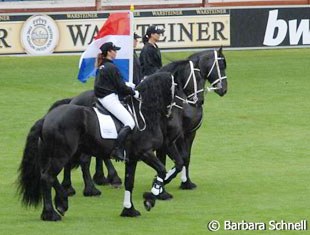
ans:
x=137 y=73
x=150 y=56
x=108 y=85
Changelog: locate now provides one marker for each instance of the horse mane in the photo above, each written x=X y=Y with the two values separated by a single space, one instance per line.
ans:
x=205 y=53
x=173 y=66
x=196 y=56
x=155 y=91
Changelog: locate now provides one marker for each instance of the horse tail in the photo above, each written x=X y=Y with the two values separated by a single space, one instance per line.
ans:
x=29 y=186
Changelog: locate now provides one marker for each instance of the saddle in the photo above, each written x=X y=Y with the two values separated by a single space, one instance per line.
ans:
x=109 y=124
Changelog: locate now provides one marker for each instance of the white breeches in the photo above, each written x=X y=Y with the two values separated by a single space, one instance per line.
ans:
x=113 y=105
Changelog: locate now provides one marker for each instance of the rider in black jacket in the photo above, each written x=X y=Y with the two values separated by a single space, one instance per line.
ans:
x=108 y=85
x=150 y=56
x=137 y=73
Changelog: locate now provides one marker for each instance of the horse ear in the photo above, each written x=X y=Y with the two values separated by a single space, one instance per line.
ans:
x=220 y=50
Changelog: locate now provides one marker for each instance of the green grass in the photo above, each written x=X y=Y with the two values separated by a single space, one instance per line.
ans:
x=250 y=158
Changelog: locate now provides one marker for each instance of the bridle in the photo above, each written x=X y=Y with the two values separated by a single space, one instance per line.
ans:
x=220 y=77
x=173 y=95
x=192 y=98
x=169 y=107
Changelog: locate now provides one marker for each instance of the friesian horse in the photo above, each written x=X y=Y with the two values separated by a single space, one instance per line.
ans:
x=88 y=99
x=69 y=130
x=192 y=74
x=208 y=65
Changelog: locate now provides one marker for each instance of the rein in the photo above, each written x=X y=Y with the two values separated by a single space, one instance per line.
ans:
x=220 y=77
x=173 y=103
x=169 y=107
x=132 y=110
x=192 y=76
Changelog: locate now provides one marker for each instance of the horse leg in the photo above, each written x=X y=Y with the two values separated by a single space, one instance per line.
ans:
x=89 y=186
x=99 y=177
x=66 y=183
x=186 y=182
x=48 y=212
x=161 y=154
x=61 y=198
x=113 y=177
x=130 y=170
x=48 y=177
x=175 y=156
x=158 y=184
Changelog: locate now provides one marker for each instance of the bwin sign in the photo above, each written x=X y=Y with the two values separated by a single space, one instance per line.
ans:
x=277 y=29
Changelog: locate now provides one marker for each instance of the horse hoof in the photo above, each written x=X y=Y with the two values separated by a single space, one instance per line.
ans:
x=50 y=216
x=164 y=196
x=99 y=179
x=115 y=181
x=61 y=210
x=149 y=201
x=69 y=190
x=131 y=212
x=147 y=205
x=91 y=192
x=61 y=204
x=188 y=185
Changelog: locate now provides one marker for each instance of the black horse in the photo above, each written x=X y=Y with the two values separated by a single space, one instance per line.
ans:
x=193 y=73
x=85 y=99
x=88 y=99
x=69 y=130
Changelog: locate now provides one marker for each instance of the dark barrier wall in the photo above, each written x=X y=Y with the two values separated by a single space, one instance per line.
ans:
x=270 y=27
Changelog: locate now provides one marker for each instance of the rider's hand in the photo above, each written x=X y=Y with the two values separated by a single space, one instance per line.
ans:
x=137 y=94
x=130 y=84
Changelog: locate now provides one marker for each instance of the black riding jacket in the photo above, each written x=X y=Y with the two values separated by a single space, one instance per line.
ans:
x=109 y=80
x=137 y=73
x=150 y=59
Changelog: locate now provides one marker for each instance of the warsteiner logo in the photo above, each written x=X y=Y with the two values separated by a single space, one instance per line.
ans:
x=39 y=35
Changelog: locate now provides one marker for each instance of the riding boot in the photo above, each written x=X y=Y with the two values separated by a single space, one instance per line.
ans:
x=119 y=150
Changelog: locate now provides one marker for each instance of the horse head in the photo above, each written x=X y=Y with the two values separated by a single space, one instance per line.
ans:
x=189 y=80
x=212 y=65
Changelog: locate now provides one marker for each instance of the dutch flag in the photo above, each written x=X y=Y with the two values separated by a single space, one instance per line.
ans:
x=116 y=29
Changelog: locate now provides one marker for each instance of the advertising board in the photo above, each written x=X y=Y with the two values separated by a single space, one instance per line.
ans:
x=72 y=32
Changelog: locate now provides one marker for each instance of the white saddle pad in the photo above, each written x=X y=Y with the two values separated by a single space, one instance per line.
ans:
x=107 y=125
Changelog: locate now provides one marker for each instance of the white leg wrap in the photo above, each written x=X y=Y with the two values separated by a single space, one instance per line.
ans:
x=159 y=179
x=127 y=200
x=183 y=174
x=157 y=189
x=170 y=173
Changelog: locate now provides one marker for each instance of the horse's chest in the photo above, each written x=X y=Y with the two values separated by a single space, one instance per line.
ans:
x=192 y=118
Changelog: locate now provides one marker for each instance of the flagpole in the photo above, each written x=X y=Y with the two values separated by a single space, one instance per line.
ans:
x=132 y=8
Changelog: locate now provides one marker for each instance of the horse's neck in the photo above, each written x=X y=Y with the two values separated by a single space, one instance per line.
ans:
x=192 y=82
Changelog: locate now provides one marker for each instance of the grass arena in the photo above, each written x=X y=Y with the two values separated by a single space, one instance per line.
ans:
x=249 y=159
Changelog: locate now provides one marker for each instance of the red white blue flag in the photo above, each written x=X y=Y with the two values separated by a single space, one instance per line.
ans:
x=116 y=29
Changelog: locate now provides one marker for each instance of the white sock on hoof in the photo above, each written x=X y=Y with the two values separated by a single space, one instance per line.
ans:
x=170 y=173
x=183 y=174
x=127 y=199
x=157 y=189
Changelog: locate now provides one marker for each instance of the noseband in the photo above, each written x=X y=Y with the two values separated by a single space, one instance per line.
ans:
x=220 y=77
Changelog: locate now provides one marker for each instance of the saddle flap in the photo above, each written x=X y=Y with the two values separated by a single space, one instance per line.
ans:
x=107 y=125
